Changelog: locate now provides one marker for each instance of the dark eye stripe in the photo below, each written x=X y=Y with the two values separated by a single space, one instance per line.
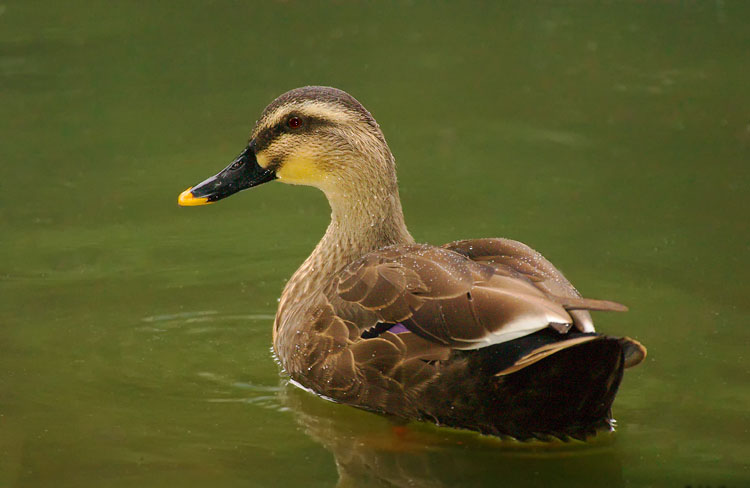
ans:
x=266 y=137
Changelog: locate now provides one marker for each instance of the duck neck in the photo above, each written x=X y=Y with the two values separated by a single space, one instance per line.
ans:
x=365 y=216
x=363 y=222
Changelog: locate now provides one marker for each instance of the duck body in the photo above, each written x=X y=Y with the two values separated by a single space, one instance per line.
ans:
x=479 y=334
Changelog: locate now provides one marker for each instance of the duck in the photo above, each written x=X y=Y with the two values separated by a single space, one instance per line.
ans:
x=480 y=334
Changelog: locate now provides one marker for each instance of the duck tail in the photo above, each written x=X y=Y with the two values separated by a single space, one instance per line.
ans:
x=567 y=392
x=541 y=386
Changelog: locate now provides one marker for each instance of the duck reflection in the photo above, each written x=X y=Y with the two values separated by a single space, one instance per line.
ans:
x=370 y=451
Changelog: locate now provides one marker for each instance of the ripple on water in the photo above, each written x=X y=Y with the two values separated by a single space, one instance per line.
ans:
x=165 y=322
x=252 y=393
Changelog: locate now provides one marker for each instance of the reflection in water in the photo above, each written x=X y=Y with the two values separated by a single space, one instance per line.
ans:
x=369 y=452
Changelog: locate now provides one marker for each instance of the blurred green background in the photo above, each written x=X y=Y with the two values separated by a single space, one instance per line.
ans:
x=614 y=137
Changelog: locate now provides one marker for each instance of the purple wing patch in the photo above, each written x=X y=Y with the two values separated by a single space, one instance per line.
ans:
x=398 y=329
x=381 y=327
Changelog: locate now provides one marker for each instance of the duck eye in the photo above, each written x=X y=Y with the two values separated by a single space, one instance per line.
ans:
x=294 y=122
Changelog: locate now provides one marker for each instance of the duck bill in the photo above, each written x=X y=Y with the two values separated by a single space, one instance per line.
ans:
x=244 y=172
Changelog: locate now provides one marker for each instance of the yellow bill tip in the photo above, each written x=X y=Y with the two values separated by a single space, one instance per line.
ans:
x=186 y=199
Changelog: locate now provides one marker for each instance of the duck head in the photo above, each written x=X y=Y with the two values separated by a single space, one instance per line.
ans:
x=317 y=136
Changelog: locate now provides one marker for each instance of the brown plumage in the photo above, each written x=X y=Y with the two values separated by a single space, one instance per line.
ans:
x=480 y=334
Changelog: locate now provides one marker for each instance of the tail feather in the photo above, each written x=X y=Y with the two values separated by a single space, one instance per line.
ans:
x=543 y=352
x=634 y=351
x=541 y=385
x=571 y=303
x=568 y=393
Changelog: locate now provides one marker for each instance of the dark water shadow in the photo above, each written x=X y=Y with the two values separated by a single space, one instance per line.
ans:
x=368 y=452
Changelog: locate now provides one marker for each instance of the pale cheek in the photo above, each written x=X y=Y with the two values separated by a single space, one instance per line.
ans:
x=301 y=169
x=263 y=160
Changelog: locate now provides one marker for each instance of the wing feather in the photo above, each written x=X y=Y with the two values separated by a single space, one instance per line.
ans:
x=467 y=294
x=512 y=258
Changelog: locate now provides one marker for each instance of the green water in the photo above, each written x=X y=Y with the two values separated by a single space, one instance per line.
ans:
x=135 y=335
